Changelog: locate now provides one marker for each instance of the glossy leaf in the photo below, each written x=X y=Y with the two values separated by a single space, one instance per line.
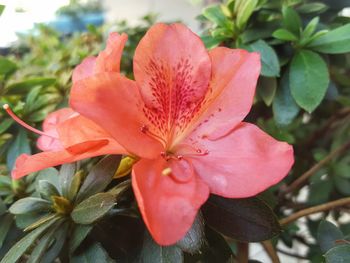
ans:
x=93 y=208
x=244 y=12
x=215 y=14
x=29 y=204
x=95 y=253
x=248 y=219
x=340 y=254
x=18 y=146
x=6 y=222
x=291 y=20
x=267 y=89
x=308 y=79
x=269 y=59
x=316 y=7
x=336 y=41
x=46 y=189
x=66 y=174
x=23 y=86
x=284 y=34
x=80 y=232
x=327 y=235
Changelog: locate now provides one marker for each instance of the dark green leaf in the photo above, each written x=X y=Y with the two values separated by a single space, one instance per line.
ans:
x=269 y=59
x=308 y=79
x=291 y=20
x=99 y=177
x=210 y=42
x=6 y=222
x=49 y=174
x=315 y=7
x=21 y=246
x=195 y=238
x=24 y=86
x=327 y=234
x=339 y=254
x=95 y=253
x=3 y=207
x=267 y=89
x=66 y=174
x=29 y=204
x=152 y=252
x=284 y=34
x=335 y=41
x=80 y=232
x=6 y=66
x=18 y=146
x=75 y=185
x=284 y=107
x=248 y=220
x=5 y=124
x=93 y=208
x=46 y=189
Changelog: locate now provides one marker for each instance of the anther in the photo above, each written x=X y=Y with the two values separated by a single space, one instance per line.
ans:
x=7 y=108
x=166 y=171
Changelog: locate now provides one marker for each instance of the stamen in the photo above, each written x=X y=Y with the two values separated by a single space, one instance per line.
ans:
x=6 y=107
x=166 y=171
x=144 y=129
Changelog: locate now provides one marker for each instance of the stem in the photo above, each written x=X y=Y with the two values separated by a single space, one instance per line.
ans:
x=270 y=250
x=291 y=254
x=242 y=252
x=299 y=182
x=315 y=209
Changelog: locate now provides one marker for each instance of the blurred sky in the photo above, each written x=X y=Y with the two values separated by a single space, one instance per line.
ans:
x=21 y=15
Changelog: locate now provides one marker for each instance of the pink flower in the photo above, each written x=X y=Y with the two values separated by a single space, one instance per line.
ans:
x=182 y=117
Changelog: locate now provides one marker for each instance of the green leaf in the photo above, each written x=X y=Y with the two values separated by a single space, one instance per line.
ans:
x=22 y=246
x=284 y=34
x=308 y=79
x=93 y=208
x=336 y=41
x=99 y=177
x=284 y=106
x=194 y=238
x=95 y=253
x=80 y=232
x=5 y=124
x=75 y=185
x=46 y=189
x=269 y=59
x=215 y=14
x=339 y=254
x=3 y=207
x=66 y=174
x=18 y=146
x=2 y=7
x=327 y=234
x=6 y=222
x=247 y=219
x=24 y=86
x=210 y=42
x=6 y=66
x=29 y=204
x=315 y=7
x=310 y=27
x=152 y=252
x=245 y=10
x=50 y=175
x=291 y=20
x=267 y=89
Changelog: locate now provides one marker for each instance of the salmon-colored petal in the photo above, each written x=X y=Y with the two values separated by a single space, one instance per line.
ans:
x=109 y=59
x=26 y=164
x=78 y=133
x=113 y=102
x=172 y=69
x=234 y=76
x=168 y=207
x=244 y=163
x=84 y=69
x=52 y=143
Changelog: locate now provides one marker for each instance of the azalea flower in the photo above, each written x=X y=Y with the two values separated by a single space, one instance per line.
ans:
x=67 y=136
x=181 y=119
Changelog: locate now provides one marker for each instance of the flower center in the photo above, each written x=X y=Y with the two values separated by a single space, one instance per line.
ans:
x=25 y=125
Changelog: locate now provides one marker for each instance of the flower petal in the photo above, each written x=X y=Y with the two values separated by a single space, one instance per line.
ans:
x=244 y=163
x=78 y=134
x=172 y=69
x=109 y=59
x=47 y=143
x=84 y=69
x=234 y=76
x=168 y=207
x=26 y=164
x=113 y=102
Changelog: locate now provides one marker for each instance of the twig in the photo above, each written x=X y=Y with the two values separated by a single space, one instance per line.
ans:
x=270 y=250
x=291 y=254
x=314 y=209
x=303 y=178
x=242 y=252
